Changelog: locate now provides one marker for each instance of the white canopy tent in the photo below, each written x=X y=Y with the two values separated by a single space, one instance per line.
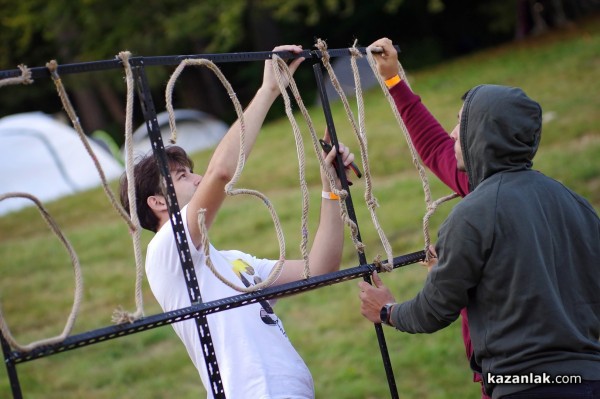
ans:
x=196 y=131
x=46 y=158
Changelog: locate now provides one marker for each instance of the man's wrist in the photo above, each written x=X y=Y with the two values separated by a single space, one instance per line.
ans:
x=393 y=81
x=269 y=92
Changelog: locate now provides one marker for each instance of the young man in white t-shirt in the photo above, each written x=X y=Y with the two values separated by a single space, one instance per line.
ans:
x=255 y=357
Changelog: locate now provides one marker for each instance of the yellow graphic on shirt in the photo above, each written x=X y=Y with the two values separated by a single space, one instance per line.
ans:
x=240 y=267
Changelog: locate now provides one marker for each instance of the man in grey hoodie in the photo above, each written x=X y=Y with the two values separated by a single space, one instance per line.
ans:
x=521 y=252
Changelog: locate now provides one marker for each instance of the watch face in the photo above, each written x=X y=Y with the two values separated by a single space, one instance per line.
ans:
x=384 y=314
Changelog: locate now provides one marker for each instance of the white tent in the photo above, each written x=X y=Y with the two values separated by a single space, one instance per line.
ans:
x=196 y=131
x=46 y=158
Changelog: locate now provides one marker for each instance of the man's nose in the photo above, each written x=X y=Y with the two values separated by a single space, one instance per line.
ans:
x=453 y=135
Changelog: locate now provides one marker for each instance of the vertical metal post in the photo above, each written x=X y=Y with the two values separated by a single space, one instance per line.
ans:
x=11 y=370
x=318 y=70
x=149 y=112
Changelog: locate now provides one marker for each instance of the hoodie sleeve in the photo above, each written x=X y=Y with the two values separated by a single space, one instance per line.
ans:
x=446 y=290
x=431 y=141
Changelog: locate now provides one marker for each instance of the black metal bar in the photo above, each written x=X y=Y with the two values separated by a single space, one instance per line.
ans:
x=197 y=310
x=11 y=370
x=318 y=70
x=66 y=69
x=187 y=264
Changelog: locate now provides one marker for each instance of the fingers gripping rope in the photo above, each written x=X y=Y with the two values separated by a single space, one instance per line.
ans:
x=78 y=283
x=229 y=187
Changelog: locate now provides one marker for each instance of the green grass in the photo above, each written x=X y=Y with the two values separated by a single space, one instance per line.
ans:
x=560 y=70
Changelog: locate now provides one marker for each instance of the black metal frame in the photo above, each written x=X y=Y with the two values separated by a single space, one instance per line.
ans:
x=198 y=310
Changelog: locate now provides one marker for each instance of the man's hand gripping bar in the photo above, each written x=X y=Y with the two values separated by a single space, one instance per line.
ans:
x=327 y=148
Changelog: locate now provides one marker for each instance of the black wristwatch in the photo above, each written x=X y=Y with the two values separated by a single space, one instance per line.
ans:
x=385 y=313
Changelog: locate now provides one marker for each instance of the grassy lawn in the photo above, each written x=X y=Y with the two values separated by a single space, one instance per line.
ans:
x=560 y=70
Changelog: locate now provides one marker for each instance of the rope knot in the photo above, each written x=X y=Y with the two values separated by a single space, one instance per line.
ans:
x=124 y=56
x=354 y=51
x=342 y=194
x=429 y=255
x=322 y=46
x=24 y=79
x=25 y=74
x=121 y=316
x=372 y=203
x=382 y=266
x=360 y=247
x=52 y=66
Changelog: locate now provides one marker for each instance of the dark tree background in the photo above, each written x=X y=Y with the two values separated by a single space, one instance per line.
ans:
x=35 y=31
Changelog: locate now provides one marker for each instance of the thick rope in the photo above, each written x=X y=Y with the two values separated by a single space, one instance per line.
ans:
x=229 y=187
x=120 y=315
x=360 y=132
x=282 y=82
x=78 y=283
x=430 y=206
x=279 y=66
x=64 y=97
x=24 y=79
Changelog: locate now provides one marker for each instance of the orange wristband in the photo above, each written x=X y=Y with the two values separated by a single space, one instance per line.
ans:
x=329 y=195
x=393 y=81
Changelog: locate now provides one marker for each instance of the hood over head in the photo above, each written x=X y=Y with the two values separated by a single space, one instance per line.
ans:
x=500 y=130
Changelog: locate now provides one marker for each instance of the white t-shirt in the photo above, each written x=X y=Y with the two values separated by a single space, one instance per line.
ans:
x=255 y=357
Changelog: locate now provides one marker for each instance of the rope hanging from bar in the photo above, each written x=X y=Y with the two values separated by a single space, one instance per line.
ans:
x=431 y=206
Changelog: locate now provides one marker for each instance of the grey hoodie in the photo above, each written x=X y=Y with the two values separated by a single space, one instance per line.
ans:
x=521 y=252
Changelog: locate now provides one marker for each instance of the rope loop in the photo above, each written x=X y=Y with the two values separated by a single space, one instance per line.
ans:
x=230 y=186
x=78 y=282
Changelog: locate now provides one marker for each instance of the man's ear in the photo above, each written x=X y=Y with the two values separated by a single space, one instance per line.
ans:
x=157 y=203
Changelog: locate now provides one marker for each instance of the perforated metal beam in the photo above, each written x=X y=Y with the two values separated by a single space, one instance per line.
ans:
x=159 y=320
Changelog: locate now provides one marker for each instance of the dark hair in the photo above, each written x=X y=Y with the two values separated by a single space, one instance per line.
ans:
x=464 y=96
x=149 y=182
